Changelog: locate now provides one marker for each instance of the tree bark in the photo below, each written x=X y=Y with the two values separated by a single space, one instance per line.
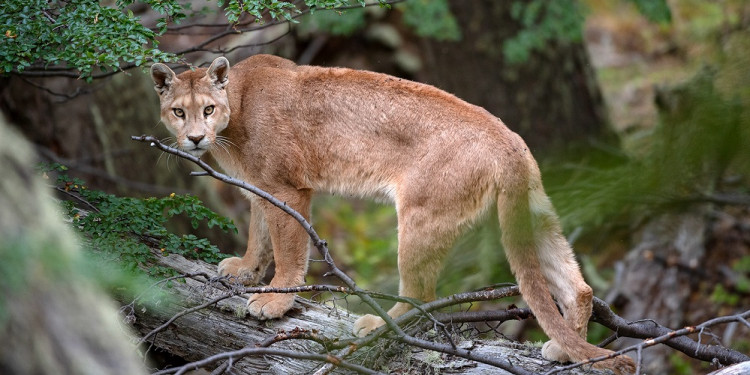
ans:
x=738 y=369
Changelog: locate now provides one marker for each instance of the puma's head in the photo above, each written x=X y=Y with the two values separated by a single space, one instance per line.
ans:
x=194 y=104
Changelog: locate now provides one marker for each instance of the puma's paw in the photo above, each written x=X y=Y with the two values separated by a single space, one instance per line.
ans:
x=236 y=267
x=366 y=324
x=552 y=351
x=269 y=305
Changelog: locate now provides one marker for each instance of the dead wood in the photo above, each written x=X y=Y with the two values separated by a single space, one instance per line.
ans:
x=738 y=369
x=224 y=327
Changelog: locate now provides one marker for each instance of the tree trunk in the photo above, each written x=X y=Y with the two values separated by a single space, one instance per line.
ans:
x=54 y=318
x=656 y=278
x=552 y=99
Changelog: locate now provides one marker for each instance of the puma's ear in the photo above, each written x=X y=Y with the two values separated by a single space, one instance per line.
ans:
x=218 y=72
x=162 y=76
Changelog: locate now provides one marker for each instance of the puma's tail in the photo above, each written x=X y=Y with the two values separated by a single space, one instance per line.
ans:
x=528 y=224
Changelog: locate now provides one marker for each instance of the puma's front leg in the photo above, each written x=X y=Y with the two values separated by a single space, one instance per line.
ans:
x=290 y=252
x=251 y=268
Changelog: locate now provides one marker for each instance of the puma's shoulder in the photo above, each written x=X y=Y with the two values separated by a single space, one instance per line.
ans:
x=266 y=73
x=264 y=61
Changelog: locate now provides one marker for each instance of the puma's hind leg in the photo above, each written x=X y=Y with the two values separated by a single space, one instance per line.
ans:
x=574 y=297
x=423 y=242
x=419 y=266
x=563 y=275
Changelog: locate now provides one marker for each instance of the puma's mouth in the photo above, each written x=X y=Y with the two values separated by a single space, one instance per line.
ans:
x=196 y=147
x=196 y=151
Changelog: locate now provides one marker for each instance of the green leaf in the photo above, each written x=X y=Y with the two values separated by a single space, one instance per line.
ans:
x=431 y=18
x=655 y=10
x=543 y=22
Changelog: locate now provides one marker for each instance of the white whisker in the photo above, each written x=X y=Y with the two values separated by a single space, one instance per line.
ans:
x=225 y=140
x=169 y=155
x=165 y=141
x=224 y=143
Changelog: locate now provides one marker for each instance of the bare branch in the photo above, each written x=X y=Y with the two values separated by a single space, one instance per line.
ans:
x=675 y=339
x=654 y=334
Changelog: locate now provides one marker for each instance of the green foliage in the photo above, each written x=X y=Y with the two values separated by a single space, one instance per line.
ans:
x=277 y=9
x=83 y=35
x=721 y=295
x=283 y=9
x=431 y=18
x=743 y=274
x=654 y=10
x=86 y=35
x=680 y=365
x=692 y=148
x=543 y=22
x=367 y=243
x=336 y=22
x=119 y=227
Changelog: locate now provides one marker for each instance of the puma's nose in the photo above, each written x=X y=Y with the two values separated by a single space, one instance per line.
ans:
x=196 y=138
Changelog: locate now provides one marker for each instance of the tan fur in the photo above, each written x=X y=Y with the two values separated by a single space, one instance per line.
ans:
x=295 y=130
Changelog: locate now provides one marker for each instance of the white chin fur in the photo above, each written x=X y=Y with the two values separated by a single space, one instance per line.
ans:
x=197 y=152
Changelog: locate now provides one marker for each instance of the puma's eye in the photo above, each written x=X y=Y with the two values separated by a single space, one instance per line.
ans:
x=208 y=110
x=178 y=112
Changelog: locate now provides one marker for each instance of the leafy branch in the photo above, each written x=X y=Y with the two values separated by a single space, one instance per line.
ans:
x=89 y=39
x=120 y=227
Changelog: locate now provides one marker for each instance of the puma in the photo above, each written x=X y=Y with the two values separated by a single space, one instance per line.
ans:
x=295 y=130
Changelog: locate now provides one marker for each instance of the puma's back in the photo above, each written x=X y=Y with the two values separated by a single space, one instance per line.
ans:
x=357 y=132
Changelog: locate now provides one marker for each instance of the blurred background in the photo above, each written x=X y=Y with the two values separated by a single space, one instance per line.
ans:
x=638 y=112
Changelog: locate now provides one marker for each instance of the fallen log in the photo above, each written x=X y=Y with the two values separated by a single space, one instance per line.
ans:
x=223 y=326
